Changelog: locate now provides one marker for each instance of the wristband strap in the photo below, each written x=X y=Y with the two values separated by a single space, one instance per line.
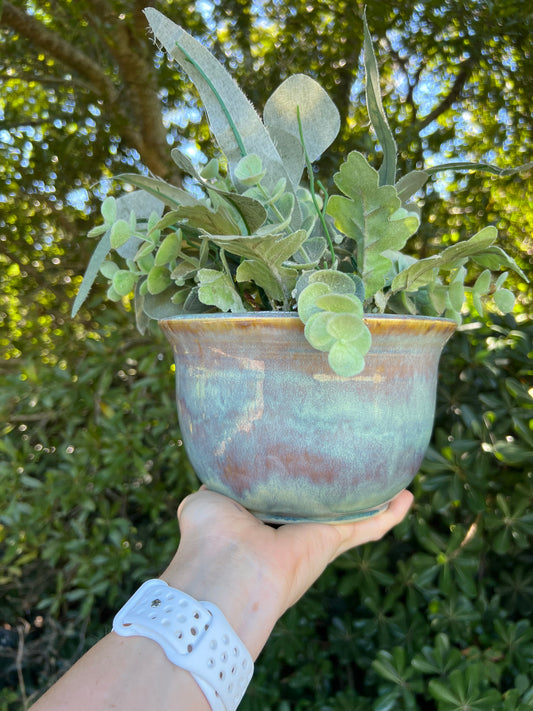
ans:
x=194 y=636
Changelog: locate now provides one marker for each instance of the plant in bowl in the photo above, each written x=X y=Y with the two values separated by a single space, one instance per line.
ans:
x=306 y=341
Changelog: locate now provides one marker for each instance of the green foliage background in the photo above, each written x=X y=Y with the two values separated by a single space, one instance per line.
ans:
x=438 y=615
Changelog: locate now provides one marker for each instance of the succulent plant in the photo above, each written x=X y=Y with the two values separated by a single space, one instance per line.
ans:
x=266 y=235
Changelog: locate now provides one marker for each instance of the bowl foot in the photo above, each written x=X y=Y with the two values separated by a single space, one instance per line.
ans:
x=332 y=519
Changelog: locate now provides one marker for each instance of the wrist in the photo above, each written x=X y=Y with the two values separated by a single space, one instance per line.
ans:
x=226 y=578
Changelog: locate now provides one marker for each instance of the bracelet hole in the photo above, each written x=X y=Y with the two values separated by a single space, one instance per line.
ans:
x=194 y=631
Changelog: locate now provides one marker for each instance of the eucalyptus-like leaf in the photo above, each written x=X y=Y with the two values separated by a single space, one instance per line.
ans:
x=317 y=333
x=338 y=282
x=109 y=268
x=215 y=288
x=120 y=233
x=376 y=112
x=340 y=303
x=108 y=209
x=300 y=97
x=307 y=306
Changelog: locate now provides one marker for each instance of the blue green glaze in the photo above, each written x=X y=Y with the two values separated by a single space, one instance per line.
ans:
x=265 y=421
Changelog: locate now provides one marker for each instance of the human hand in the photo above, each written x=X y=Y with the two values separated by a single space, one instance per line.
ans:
x=255 y=572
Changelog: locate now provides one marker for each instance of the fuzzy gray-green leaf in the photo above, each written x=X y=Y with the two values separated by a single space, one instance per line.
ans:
x=370 y=215
x=235 y=124
x=320 y=121
x=376 y=112
x=216 y=288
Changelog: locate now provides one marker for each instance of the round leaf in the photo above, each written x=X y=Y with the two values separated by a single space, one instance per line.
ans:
x=168 y=250
x=340 y=303
x=316 y=331
x=158 y=280
x=306 y=301
x=120 y=234
x=504 y=300
x=345 y=359
x=482 y=284
x=337 y=281
x=108 y=269
x=123 y=282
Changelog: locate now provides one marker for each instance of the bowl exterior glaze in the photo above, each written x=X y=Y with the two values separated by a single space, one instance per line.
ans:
x=265 y=421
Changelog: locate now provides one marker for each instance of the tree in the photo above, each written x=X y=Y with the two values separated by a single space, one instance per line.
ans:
x=86 y=95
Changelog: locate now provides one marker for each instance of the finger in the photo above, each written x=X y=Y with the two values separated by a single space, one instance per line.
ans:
x=372 y=529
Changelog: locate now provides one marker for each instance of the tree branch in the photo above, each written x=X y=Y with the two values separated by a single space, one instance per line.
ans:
x=54 y=45
x=136 y=105
x=458 y=85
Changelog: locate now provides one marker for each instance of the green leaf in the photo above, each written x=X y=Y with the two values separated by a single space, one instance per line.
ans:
x=422 y=272
x=168 y=250
x=376 y=112
x=271 y=249
x=317 y=333
x=370 y=216
x=410 y=184
x=108 y=209
x=494 y=257
x=250 y=210
x=349 y=328
x=300 y=95
x=202 y=217
x=504 y=300
x=168 y=194
x=236 y=126
x=482 y=284
x=216 y=288
x=484 y=167
x=108 y=268
x=249 y=170
x=307 y=300
x=275 y=283
x=158 y=280
x=340 y=303
x=338 y=282
x=123 y=282
x=120 y=233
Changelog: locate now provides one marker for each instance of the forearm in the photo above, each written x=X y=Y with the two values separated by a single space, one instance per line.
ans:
x=124 y=673
x=133 y=673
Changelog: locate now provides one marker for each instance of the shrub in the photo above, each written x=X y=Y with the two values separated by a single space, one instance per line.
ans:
x=436 y=616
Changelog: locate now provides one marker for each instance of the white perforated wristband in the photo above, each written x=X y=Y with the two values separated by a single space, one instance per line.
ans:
x=194 y=636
